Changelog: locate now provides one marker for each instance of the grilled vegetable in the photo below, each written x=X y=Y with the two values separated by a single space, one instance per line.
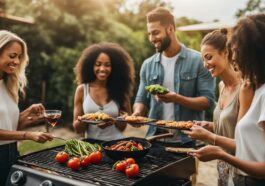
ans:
x=61 y=157
x=132 y=170
x=156 y=89
x=80 y=148
x=74 y=163
x=95 y=157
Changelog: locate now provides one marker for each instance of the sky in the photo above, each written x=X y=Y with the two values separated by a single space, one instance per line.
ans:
x=205 y=10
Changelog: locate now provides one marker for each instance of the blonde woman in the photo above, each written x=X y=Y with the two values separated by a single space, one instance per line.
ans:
x=13 y=61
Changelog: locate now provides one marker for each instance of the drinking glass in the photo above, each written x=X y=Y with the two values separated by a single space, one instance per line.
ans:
x=52 y=117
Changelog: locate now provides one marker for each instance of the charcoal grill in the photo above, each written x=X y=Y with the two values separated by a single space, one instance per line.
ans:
x=158 y=167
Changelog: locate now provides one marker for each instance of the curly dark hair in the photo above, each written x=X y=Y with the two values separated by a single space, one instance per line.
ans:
x=249 y=41
x=218 y=40
x=121 y=81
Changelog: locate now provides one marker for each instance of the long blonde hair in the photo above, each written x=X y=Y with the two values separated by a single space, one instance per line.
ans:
x=17 y=81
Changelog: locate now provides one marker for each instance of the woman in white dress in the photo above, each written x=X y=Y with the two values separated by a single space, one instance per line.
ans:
x=13 y=61
x=248 y=45
x=105 y=74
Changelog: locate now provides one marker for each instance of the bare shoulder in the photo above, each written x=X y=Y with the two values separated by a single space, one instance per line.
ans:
x=246 y=88
x=79 y=92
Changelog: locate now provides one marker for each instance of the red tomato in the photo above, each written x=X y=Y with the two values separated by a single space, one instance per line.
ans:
x=130 y=161
x=121 y=166
x=132 y=170
x=95 y=157
x=74 y=163
x=61 y=157
x=85 y=161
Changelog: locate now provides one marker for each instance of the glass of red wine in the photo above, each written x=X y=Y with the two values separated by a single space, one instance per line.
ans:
x=52 y=117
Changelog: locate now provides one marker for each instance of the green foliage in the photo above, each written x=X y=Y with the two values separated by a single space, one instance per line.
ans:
x=63 y=28
x=252 y=6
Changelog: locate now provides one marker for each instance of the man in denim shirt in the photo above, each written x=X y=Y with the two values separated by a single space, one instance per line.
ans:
x=178 y=68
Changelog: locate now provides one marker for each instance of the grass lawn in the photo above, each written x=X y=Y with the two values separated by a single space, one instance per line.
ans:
x=28 y=146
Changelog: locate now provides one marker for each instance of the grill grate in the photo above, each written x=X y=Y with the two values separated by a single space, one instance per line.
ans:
x=102 y=173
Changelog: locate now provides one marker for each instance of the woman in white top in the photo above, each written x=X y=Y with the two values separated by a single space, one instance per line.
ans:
x=248 y=45
x=105 y=74
x=13 y=61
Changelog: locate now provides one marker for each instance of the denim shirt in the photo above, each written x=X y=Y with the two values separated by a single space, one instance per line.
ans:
x=191 y=79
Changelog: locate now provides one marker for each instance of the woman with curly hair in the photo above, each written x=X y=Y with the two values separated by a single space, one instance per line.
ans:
x=248 y=46
x=13 y=62
x=105 y=76
x=234 y=100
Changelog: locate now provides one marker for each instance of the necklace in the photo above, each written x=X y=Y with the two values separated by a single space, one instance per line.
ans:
x=227 y=95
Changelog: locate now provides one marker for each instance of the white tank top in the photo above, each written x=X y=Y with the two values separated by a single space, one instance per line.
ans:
x=111 y=108
x=9 y=112
x=249 y=134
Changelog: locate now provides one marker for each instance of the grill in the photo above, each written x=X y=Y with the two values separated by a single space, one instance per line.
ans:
x=158 y=166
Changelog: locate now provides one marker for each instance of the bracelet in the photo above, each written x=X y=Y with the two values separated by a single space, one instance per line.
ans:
x=214 y=139
x=24 y=135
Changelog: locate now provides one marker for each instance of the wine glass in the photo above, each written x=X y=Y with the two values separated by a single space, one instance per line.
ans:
x=52 y=117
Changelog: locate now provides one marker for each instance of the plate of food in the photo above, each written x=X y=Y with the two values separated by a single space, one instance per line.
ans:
x=95 y=118
x=181 y=125
x=135 y=120
x=156 y=89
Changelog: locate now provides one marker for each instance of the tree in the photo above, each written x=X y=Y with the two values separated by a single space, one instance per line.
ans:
x=252 y=6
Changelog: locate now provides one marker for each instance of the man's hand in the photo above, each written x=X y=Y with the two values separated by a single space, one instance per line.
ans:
x=167 y=98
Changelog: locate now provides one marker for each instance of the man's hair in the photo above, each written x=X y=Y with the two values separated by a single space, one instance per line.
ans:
x=161 y=14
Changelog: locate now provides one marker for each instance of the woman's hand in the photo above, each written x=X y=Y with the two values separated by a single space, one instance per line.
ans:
x=207 y=153
x=39 y=137
x=205 y=124
x=36 y=112
x=33 y=114
x=199 y=133
x=105 y=125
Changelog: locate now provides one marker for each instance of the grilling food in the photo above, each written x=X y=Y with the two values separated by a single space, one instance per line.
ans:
x=156 y=89
x=120 y=166
x=74 y=163
x=132 y=170
x=124 y=145
x=127 y=166
x=97 y=116
x=61 y=157
x=80 y=148
x=138 y=119
x=95 y=157
x=176 y=124
x=85 y=161
x=180 y=124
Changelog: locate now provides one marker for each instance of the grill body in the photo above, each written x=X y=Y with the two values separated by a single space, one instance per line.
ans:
x=158 y=167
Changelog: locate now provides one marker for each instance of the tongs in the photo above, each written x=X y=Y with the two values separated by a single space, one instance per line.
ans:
x=56 y=137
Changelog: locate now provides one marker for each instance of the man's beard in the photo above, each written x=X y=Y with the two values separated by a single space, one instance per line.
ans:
x=164 y=44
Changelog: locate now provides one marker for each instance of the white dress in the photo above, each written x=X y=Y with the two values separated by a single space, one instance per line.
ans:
x=9 y=112
x=111 y=108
